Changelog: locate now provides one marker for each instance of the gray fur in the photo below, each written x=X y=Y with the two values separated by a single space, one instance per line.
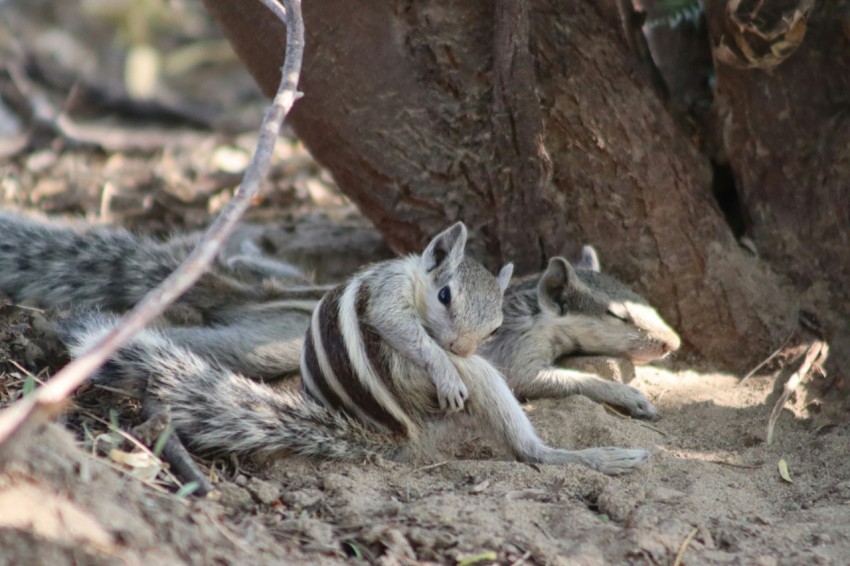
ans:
x=238 y=312
x=566 y=311
x=253 y=325
x=217 y=411
x=111 y=269
x=413 y=321
x=589 y=259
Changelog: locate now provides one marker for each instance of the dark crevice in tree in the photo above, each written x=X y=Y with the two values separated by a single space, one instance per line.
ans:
x=727 y=197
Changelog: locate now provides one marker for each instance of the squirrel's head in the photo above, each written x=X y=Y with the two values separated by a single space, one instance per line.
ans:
x=609 y=318
x=461 y=303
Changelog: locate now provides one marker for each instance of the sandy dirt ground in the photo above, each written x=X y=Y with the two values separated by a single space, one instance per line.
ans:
x=712 y=493
x=76 y=492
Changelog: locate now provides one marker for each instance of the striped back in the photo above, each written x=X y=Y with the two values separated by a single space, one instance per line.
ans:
x=343 y=366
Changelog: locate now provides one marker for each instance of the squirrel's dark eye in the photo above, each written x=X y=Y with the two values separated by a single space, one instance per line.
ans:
x=445 y=296
x=618 y=316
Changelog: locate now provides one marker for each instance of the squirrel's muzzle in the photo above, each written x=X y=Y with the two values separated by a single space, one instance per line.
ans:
x=464 y=347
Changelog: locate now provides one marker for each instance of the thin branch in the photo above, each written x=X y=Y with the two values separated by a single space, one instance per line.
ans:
x=280 y=12
x=815 y=357
x=770 y=357
x=60 y=124
x=684 y=546
x=50 y=399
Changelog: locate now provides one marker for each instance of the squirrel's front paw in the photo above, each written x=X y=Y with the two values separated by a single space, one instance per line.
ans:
x=451 y=391
x=638 y=406
x=452 y=397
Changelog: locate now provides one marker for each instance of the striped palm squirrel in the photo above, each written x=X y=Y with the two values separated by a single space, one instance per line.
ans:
x=568 y=311
x=245 y=334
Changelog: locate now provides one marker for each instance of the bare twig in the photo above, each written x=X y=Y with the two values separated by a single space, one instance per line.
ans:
x=770 y=357
x=280 y=12
x=158 y=489
x=58 y=122
x=430 y=467
x=815 y=356
x=612 y=410
x=680 y=555
x=734 y=465
x=26 y=308
x=27 y=372
x=645 y=424
x=138 y=444
x=51 y=399
x=114 y=139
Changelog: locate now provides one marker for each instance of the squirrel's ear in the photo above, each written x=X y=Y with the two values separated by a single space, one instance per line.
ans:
x=589 y=260
x=446 y=249
x=504 y=277
x=554 y=285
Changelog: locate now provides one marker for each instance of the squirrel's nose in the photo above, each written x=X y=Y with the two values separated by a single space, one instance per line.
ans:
x=673 y=342
x=463 y=348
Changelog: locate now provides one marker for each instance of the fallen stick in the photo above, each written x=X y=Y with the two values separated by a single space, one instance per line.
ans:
x=684 y=546
x=815 y=356
x=51 y=399
x=770 y=357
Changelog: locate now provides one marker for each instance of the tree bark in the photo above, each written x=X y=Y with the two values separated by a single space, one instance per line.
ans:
x=530 y=122
x=787 y=137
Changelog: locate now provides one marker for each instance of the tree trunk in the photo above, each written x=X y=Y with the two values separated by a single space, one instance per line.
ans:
x=787 y=137
x=530 y=122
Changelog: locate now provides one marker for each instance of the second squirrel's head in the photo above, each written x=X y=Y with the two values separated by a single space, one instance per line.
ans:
x=601 y=315
x=461 y=303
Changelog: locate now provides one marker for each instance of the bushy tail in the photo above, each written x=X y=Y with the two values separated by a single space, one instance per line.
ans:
x=215 y=410
x=112 y=269
x=59 y=266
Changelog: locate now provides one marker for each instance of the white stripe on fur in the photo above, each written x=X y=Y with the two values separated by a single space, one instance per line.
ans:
x=330 y=376
x=350 y=329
